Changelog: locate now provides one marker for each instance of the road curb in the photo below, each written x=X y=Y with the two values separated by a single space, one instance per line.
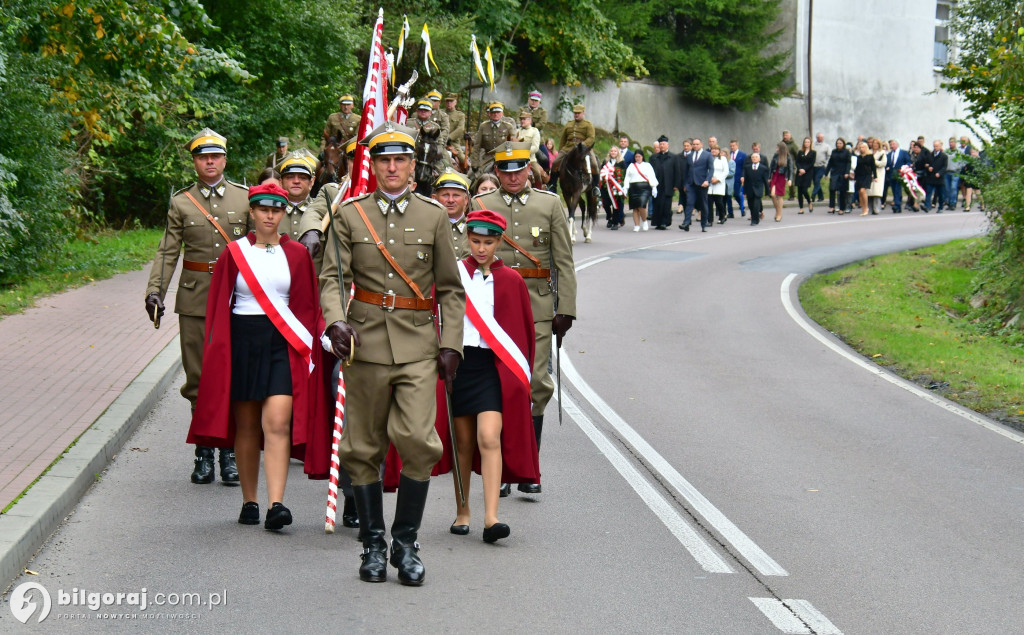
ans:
x=30 y=522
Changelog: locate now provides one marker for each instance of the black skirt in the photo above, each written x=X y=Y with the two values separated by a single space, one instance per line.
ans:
x=259 y=359
x=639 y=195
x=477 y=387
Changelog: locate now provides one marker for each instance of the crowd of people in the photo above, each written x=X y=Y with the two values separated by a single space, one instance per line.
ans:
x=719 y=181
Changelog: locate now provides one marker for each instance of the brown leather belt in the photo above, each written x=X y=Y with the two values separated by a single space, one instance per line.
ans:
x=195 y=265
x=390 y=301
x=532 y=273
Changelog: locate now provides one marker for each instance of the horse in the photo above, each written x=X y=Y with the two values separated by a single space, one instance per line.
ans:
x=578 y=187
x=329 y=168
x=429 y=158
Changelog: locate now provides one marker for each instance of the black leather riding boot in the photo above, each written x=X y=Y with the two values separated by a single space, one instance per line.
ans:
x=538 y=426
x=203 y=472
x=370 y=506
x=228 y=469
x=412 y=498
x=349 y=515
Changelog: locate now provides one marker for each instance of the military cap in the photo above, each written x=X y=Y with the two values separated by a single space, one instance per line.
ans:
x=435 y=95
x=578 y=108
x=424 y=104
x=451 y=178
x=350 y=147
x=511 y=156
x=282 y=142
x=346 y=99
x=535 y=94
x=451 y=96
x=268 y=194
x=495 y=106
x=525 y=112
x=390 y=138
x=296 y=163
x=207 y=142
x=486 y=223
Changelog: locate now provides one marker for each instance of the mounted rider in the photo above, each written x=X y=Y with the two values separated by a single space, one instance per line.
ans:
x=489 y=136
x=578 y=130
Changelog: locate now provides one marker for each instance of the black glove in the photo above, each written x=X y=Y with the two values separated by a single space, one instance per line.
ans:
x=560 y=324
x=341 y=335
x=447 y=363
x=311 y=241
x=154 y=306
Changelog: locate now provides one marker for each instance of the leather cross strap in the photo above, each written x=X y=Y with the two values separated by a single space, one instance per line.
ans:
x=515 y=245
x=384 y=250
x=209 y=216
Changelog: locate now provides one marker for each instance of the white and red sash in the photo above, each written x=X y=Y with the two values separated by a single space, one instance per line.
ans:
x=495 y=336
x=293 y=331
x=608 y=176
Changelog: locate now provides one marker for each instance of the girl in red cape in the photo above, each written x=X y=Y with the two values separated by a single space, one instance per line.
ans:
x=258 y=387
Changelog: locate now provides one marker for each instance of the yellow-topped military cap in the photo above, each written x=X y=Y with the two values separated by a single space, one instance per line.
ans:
x=451 y=178
x=495 y=106
x=511 y=156
x=390 y=138
x=424 y=104
x=207 y=142
x=297 y=163
x=350 y=146
x=435 y=95
x=346 y=99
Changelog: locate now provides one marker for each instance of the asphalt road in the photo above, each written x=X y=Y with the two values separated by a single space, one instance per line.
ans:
x=719 y=470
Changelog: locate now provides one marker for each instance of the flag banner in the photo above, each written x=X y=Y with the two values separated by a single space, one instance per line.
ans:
x=428 y=52
x=403 y=35
x=476 y=60
x=490 y=67
x=375 y=108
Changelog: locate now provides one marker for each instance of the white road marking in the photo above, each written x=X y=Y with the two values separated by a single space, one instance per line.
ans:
x=666 y=512
x=700 y=504
x=880 y=372
x=794 y=616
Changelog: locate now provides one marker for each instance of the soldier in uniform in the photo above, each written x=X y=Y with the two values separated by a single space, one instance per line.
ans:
x=203 y=218
x=540 y=116
x=393 y=245
x=440 y=117
x=344 y=124
x=579 y=130
x=452 y=191
x=297 y=178
x=540 y=251
x=429 y=131
x=311 y=226
x=456 y=119
x=529 y=135
x=274 y=158
x=489 y=136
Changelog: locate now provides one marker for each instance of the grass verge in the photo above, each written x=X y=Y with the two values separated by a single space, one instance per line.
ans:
x=910 y=312
x=83 y=260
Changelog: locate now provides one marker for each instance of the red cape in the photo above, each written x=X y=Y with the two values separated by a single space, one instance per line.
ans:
x=520 y=463
x=212 y=422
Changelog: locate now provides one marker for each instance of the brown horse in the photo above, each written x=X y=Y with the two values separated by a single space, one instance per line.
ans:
x=578 y=187
x=333 y=163
x=429 y=161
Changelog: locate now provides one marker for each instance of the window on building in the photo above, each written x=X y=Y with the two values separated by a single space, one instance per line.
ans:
x=943 y=9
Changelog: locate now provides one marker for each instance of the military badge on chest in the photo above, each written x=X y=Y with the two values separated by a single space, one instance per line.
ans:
x=423 y=256
x=535 y=232
x=237 y=231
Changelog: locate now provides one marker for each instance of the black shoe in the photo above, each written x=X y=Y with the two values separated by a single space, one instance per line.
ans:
x=506 y=490
x=228 y=469
x=616 y=226
x=370 y=505
x=496 y=532
x=412 y=498
x=703 y=229
x=529 y=488
x=203 y=472
x=685 y=228
x=661 y=227
x=459 y=530
x=349 y=516
x=250 y=514
x=277 y=517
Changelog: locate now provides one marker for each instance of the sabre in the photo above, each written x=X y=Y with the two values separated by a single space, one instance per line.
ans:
x=451 y=426
x=167 y=221
x=558 y=340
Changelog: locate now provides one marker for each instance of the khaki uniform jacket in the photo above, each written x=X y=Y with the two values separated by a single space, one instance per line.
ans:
x=313 y=217
x=457 y=121
x=343 y=127
x=415 y=231
x=187 y=226
x=532 y=136
x=577 y=131
x=292 y=222
x=538 y=224
x=273 y=160
x=440 y=117
x=460 y=239
x=540 y=116
x=488 y=136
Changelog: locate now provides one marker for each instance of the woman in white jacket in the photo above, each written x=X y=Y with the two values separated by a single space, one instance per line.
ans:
x=716 y=189
x=641 y=185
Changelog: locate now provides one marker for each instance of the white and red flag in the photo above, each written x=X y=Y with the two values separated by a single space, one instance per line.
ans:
x=375 y=108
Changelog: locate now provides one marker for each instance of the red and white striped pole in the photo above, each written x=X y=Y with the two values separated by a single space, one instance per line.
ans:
x=339 y=427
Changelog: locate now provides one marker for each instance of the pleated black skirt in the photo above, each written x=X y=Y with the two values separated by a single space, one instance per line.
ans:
x=477 y=387
x=259 y=359
x=639 y=195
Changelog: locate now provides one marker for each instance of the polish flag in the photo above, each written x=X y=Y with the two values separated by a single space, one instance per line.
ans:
x=375 y=108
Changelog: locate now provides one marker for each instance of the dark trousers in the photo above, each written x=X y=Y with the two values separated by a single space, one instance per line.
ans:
x=802 y=195
x=696 y=197
x=819 y=173
x=718 y=200
x=737 y=193
x=612 y=207
x=844 y=197
x=755 y=207
x=937 y=190
x=662 y=209
x=897 y=194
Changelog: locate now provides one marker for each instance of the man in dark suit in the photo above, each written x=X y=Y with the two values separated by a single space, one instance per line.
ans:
x=682 y=160
x=894 y=160
x=933 y=165
x=754 y=182
x=740 y=157
x=699 y=168
x=665 y=168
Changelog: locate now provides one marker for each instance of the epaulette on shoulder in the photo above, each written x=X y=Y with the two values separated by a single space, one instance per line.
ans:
x=544 y=192
x=428 y=200
x=483 y=194
x=182 y=190
x=239 y=185
x=360 y=197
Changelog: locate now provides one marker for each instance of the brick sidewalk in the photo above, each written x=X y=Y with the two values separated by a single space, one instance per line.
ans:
x=64 y=362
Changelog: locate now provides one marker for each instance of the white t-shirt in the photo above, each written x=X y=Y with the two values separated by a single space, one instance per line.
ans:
x=484 y=286
x=271 y=269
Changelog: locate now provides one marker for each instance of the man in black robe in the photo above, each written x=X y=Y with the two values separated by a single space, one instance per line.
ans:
x=666 y=168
